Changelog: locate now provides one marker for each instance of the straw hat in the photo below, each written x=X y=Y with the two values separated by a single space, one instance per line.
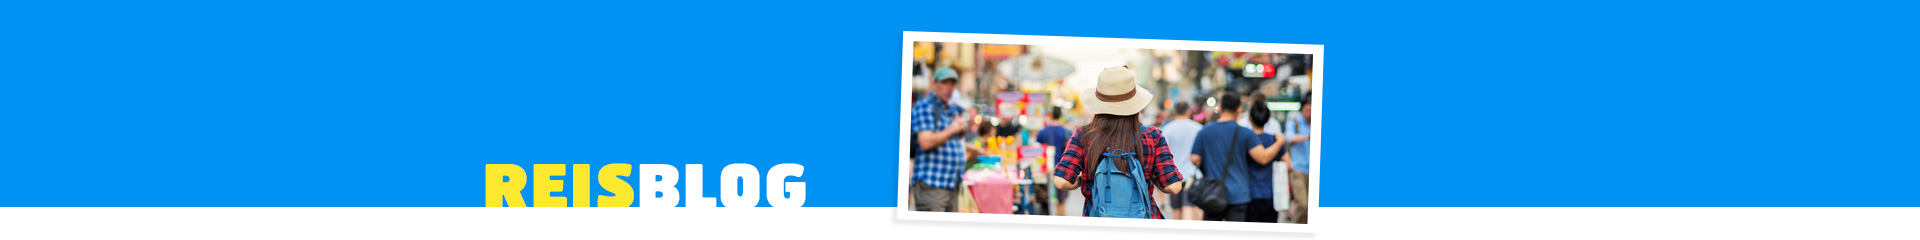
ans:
x=1116 y=94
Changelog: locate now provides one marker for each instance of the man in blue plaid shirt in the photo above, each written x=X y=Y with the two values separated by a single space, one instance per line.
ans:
x=940 y=156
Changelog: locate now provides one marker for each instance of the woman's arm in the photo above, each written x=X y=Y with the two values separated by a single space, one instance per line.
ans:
x=1063 y=184
x=1265 y=155
x=1068 y=165
x=1164 y=168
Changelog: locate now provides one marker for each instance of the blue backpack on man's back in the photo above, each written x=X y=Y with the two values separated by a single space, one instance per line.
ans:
x=1119 y=194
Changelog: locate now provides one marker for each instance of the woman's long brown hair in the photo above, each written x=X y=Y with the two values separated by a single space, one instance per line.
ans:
x=1110 y=132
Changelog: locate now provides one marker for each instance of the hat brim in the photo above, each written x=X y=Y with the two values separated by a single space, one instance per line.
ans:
x=1093 y=105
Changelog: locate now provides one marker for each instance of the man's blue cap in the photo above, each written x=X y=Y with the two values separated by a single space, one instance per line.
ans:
x=944 y=74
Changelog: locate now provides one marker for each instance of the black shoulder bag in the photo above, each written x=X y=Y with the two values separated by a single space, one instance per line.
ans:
x=1210 y=194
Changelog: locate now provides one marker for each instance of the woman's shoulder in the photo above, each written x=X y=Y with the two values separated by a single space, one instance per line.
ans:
x=1150 y=131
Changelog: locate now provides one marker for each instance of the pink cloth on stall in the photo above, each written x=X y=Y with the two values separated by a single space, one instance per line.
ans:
x=992 y=191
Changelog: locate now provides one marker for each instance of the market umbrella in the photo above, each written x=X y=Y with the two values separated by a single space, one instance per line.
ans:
x=1034 y=68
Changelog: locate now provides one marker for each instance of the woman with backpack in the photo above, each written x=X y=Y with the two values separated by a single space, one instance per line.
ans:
x=1115 y=160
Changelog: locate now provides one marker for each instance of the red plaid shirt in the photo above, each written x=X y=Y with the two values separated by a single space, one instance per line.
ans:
x=1159 y=166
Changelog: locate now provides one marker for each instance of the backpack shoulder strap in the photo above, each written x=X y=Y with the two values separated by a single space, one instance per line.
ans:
x=1140 y=153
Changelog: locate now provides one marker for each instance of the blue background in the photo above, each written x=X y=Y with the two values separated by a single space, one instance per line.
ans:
x=329 y=103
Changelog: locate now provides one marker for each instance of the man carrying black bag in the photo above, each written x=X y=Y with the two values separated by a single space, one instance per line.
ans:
x=1221 y=150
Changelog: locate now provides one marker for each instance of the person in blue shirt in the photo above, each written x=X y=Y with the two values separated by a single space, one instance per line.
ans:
x=1054 y=135
x=1262 y=208
x=1220 y=154
x=1299 y=130
x=938 y=129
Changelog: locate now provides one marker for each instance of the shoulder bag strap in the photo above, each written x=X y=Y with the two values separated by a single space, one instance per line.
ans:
x=1233 y=149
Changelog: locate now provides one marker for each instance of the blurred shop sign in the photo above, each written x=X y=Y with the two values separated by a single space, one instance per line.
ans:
x=995 y=52
x=1257 y=70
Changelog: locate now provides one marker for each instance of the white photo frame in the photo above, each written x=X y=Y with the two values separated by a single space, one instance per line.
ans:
x=905 y=211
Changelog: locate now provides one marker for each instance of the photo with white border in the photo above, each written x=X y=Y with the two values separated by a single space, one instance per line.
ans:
x=1008 y=89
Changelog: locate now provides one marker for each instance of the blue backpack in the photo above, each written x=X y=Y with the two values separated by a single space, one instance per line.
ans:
x=1119 y=194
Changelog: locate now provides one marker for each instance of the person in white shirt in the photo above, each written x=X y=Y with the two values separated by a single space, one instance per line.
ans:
x=1272 y=127
x=1180 y=133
